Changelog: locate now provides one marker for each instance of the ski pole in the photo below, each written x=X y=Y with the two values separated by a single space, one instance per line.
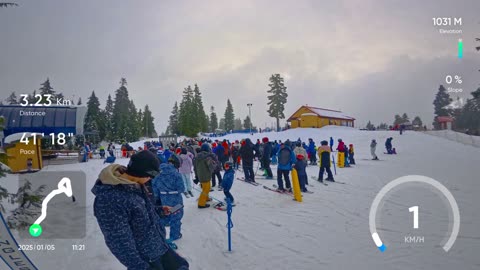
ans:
x=334 y=166
x=229 y=223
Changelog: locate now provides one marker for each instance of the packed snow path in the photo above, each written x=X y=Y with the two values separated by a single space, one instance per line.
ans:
x=329 y=230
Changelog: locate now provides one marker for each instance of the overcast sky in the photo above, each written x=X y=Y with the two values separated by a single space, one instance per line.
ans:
x=370 y=59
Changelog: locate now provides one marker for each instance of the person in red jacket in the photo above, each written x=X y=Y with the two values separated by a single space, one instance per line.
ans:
x=341 y=146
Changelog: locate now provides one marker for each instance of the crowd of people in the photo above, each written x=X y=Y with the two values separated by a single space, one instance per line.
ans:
x=135 y=203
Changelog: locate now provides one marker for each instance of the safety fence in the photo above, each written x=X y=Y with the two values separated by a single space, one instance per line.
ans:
x=456 y=137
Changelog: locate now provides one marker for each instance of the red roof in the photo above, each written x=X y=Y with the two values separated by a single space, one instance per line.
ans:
x=444 y=119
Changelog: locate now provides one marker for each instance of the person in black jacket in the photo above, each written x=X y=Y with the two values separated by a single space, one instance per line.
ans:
x=247 y=154
x=267 y=152
x=324 y=155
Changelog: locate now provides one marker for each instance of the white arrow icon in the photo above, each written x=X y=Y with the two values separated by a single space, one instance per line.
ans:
x=64 y=186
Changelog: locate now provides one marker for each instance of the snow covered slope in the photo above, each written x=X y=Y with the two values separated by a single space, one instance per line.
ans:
x=329 y=230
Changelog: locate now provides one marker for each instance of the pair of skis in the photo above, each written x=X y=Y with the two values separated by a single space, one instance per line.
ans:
x=248 y=182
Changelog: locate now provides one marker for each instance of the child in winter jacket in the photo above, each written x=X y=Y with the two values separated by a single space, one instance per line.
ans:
x=324 y=157
x=301 y=166
x=228 y=181
x=351 y=154
x=168 y=186
x=185 y=170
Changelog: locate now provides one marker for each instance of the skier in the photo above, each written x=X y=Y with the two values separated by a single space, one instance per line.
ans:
x=246 y=152
x=351 y=154
x=102 y=152
x=204 y=166
x=312 y=152
x=324 y=157
x=127 y=216
x=346 y=156
x=186 y=171
x=266 y=154
x=373 y=147
x=216 y=173
x=301 y=166
x=236 y=154
x=168 y=186
x=388 y=145
x=299 y=150
x=276 y=148
x=227 y=182
x=286 y=159
x=331 y=144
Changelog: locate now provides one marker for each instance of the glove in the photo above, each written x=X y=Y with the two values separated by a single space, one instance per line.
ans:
x=195 y=181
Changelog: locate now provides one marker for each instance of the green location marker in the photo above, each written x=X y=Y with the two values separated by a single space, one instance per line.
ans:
x=35 y=230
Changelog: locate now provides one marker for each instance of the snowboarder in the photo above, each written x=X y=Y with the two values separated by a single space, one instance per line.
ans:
x=186 y=171
x=301 y=166
x=351 y=154
x=246 y=152
x=168 y=186
x=286 y=159
x=204 y=165
x=373 y=147
x=228 y=181
x=128 y=218
x=324 y=157
x=266 y=153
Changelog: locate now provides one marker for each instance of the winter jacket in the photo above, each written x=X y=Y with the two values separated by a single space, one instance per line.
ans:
x=168 y=185
x=351 y=150
x=246 y=152
x=288 y=156
x=331 y=141
x=203 y=165
x=126 y=215
x=301 y=167
x=324 y=156
x=220 y=152
x=373 y=144
x=341 y=147
x=227 y=181
x=267 y=152
x=311 y=148
x=187 y=163
x=301 y=151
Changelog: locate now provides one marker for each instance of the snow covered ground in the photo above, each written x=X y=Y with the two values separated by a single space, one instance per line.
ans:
x=329 y=229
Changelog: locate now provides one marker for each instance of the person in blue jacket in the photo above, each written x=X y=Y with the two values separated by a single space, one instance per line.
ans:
x=127 y=216
x=168 y=186
x=331 y=144
x=228 y=181
x=286 y=161
x=311 y=151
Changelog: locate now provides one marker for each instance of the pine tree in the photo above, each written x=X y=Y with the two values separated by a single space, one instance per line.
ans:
x=79 y=101
x=30 y=204
x=405 y=118
x=229 y=117
x=213 y=123
x=201 y=120
x=221 y=124
x=12 y=99
x=173 y=127
x=277 y=98
x=121 y=111
x=370 y=126
x=442 y=100
x=134 y=130
x=109 y=131
x=417 y=121
x=247 y=123
x=186 y=111
x=148 y=122
x=398 y=120
x=47 y=89
x=93 y=114
x=238 y=124
x=31 y=98
x=469 y=118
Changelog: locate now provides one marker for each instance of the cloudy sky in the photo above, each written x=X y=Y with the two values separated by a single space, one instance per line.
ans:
x=371 y=59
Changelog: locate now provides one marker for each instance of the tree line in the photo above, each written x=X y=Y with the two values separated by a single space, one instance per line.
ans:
x=189 y=118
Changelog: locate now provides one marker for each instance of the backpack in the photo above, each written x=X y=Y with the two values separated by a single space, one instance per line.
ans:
x=284 y=157
x=211 y=164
